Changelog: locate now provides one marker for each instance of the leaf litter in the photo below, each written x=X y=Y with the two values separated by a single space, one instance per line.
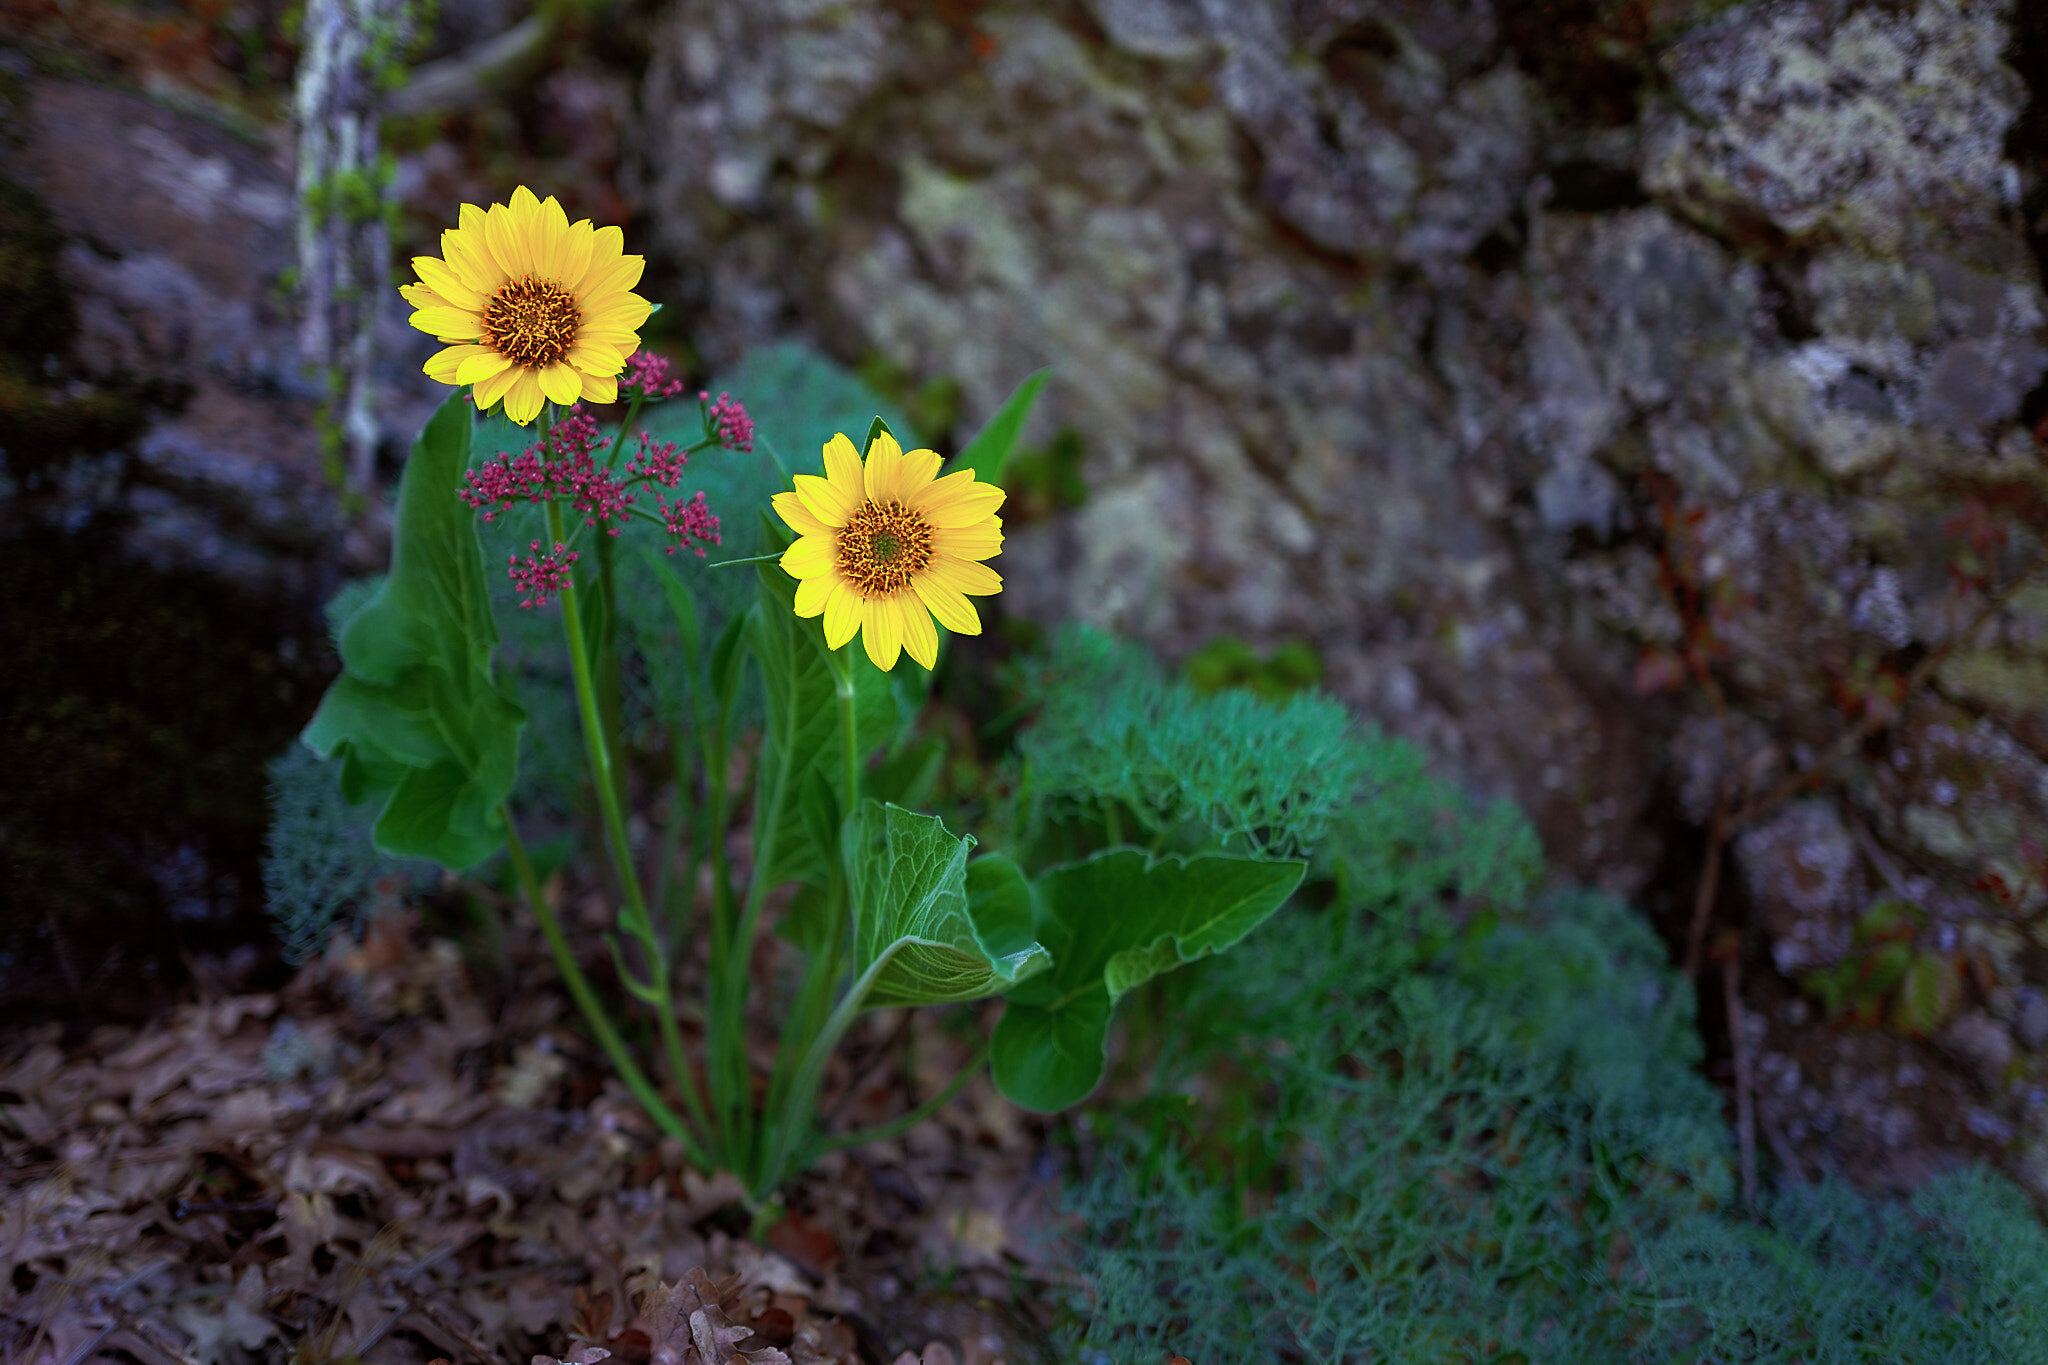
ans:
x=398 y=1160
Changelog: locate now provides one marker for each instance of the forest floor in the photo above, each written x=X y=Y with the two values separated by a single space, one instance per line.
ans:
x=411 y=1153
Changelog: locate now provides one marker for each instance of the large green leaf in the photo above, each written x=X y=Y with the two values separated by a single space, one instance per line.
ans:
x=417 y=719
x=1111 y=923
x=911 y=905
x=802 y=733
x=989 y=451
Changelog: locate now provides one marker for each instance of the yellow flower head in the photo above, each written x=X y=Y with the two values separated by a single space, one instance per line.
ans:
x=882 y=548
x=533 y=307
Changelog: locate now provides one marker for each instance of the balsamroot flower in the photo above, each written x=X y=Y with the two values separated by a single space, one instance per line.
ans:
x=533 y=307
x=883 y=547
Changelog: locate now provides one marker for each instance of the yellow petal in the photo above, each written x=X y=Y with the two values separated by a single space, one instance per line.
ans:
x=842 y=614
x=920 y=640
x=954 y=611
x=443 y=281
x=881 y=630
x=616 y=312
x=918 y=468
x=492 y=389
x=799 y=518
x=616 y=275
x=420 y=296
x=823 y=500
x=842 y=468
x=885 y=470
x=449 y=324
x=481 y=366
x=964 y=575
x=808 y=557
x=572 y=262
x=811 y=594
x=501 y=236
x=467 y=255
x=980 y=541
x=600 y=388
x=606 y=245
x=963 y=510
x=561 y=384
x=445 y=365
x=595 y=357
x=551 y=225
x=523 y=400
x=525 y=212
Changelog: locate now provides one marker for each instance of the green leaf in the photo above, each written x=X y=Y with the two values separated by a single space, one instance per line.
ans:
x=681 y=605
x=911 y=907
x=421 y=726
x=802 y=732
x=1111 y=923
x=1928 y=993
x=878 y=427
x=989 y=451
x=908 y=776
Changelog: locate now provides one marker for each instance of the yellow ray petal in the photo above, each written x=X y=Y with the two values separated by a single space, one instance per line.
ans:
x=422 y=296
x=799 y=518
x=573 y=260
x=884 y=474
x=525 y=211
x=842 y=614
x=595 y=357
x=808 y=557
x=561 y=384
x=492 y=389
x=449 y=324
x=842 y=468
x=616 y=311
x=881 y=630
x=551 y=228
x=501 y=236
x=438 y=277
x=980 y=541
x=444 y=365
x=469 y=257
x=963 y=510
x=823 y=500
x=600 y=388
x=918 y=468
x=954 y=611
x=964 y=575
x=606 y=246
x=523 y=400
x=481 y=365
x=811 y=594
x=920 y=640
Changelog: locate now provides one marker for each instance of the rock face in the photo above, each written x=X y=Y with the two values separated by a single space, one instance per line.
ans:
x=1533 y=361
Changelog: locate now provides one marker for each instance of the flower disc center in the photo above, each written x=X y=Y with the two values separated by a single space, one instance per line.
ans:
x=532 y=322
x=883 y=548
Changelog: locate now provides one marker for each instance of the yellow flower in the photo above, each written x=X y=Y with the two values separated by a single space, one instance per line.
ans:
x=533 y=307
x=883 y=547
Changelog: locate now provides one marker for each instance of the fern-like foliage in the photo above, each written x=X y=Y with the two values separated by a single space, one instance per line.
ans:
x=1248 y=774
x=1958 y=1273
x=320 y=870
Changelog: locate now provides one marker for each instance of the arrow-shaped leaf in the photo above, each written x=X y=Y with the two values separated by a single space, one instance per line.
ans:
x=1111 y=923
x=419 y=722
x=911 y=906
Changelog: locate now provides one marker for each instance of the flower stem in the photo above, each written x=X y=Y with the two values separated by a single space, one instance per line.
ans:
x=586 y=999
x=597 y=748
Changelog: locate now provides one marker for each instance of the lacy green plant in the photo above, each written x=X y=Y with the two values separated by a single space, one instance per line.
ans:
x=891 y=908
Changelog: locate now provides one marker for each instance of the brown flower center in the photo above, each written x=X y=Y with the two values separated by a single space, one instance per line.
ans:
x=532 y=322
x=883 y=547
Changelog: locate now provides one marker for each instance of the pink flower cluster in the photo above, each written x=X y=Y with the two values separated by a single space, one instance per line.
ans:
x=561 y=465
x=735 y=428
x=689 y=520
x=662 y=463
x=543 y=575
x=648 y=375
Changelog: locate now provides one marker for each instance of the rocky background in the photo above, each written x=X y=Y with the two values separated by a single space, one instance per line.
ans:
x=1639 y=402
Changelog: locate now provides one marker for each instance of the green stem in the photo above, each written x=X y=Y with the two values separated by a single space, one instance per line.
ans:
x=803 y=1090
x=597 y=749
x=586 y=999
x=903 y=1123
